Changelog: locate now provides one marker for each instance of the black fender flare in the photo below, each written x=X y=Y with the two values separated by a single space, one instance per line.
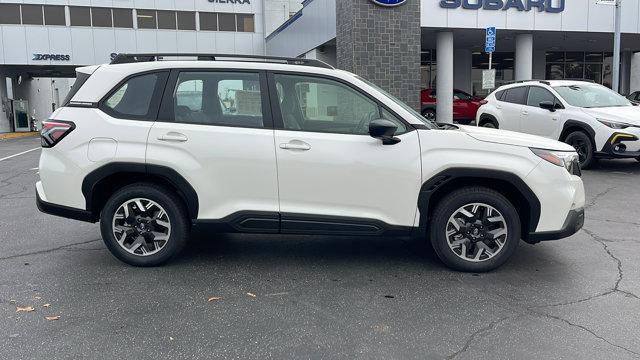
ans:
x=168 y=175
x=440 y=180
x=577 y=124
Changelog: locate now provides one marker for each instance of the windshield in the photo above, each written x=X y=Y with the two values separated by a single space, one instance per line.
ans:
x=591 y=96
x=415 y=114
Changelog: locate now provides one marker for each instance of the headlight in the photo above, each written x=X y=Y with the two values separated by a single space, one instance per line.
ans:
x=614 y=124
x=565 y=159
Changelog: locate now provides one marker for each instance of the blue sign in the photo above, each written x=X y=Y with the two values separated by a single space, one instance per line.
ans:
x=549 y=6
x=389 y=2
x=490 y=42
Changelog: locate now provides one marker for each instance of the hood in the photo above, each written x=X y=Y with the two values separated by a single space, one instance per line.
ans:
x=626 y=114
x=514 y=138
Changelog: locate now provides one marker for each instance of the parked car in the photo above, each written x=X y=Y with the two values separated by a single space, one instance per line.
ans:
x=634 y=97
x=465 y=105
x=309 y=150
x=596 y=121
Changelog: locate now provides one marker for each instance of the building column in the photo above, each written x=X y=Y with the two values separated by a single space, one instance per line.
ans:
x=381 y=44
x=634 y=83
x=444 y=79
x=463 y=65
x=625 y=72
x=524 y=57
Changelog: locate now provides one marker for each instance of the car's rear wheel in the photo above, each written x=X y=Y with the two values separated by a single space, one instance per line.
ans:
x=144 y=225
x=429 y=114
x=475 y=229
x=489 y=124
x=584 y=147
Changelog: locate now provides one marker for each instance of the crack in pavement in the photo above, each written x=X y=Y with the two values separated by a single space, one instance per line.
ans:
x=597 y=197
x=615 y=221
x=479 y=334
x=39 y=252
x=584 y=328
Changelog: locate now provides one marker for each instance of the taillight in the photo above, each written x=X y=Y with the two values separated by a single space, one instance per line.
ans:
x=53 y=131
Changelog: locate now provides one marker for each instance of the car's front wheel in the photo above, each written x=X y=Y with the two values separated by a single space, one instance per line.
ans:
x=475 y=229
x=144 y=224
x=584 y=147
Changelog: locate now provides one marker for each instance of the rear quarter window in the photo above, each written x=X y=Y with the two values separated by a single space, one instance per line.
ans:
x=81 y=78
x=137 y=98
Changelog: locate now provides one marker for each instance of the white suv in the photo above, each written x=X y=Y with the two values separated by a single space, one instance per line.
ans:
x=274 y=145
x=593 y=119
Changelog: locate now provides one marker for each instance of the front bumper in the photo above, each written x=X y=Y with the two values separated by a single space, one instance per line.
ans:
x=620 y=145
x=572 y=224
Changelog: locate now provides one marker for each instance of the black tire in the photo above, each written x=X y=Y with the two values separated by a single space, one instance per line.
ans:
x=449 y=205
x=489 y=124
x=171 y=204
x=429 y=114
x=584 y=146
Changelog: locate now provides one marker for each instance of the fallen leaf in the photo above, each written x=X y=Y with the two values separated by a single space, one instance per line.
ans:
x=52 y=318
x=37 y=297
x=170 y=338
x=252 y=295
x=46 y=305
x=12 y=301
x=25 y=309
x=213 y=298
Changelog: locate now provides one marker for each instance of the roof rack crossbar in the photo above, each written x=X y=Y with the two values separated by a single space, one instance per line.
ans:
x=134 y=58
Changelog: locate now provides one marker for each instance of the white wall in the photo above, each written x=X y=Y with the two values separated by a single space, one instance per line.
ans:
x=316 y=26
x=277 y=12
x=88 y=45
x=579 y=15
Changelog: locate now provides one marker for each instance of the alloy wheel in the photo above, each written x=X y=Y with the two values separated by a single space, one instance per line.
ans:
x=476 y=232
x=581 y=147
x=141 y=227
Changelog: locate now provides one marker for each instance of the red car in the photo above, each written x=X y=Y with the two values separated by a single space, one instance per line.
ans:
x=465 y=106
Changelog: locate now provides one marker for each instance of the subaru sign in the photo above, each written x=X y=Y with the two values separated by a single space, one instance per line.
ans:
x=550 y=6
x=389 y=2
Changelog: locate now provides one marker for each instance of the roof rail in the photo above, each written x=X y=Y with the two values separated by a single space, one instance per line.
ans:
x=524 y=81
x=134 y=58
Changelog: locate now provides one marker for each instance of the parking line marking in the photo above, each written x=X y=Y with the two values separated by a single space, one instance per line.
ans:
x=18 y=154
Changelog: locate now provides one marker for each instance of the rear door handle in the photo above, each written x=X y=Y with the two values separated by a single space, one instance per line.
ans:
x=525 y=113
x=295 y=145
x=173 y=137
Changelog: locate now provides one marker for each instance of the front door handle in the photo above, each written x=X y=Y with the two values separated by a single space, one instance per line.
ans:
x=173 y=137
x=525 y=113
x=295 y=145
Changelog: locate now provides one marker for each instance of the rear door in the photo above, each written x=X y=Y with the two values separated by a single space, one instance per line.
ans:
x=536 y=120
x=511 y=108
x=333 y=176
x=215 y=129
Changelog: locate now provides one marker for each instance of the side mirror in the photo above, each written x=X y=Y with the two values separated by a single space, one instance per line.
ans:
x=384 y=130
x=548 y=105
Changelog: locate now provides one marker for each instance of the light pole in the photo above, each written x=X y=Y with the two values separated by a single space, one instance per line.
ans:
x=616 y=48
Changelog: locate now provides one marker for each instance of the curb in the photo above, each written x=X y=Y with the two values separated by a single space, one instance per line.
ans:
x=8 y=136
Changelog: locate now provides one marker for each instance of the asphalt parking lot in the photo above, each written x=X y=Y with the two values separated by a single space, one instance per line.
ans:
x=316 y=297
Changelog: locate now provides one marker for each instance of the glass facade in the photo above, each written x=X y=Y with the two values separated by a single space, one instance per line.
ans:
x=596 y=66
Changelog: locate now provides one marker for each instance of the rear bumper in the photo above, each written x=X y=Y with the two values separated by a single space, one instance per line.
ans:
x=64 y=211
x=572 y=224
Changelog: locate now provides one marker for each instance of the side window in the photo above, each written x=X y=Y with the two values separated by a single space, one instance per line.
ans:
x=460 y=95
x=515 y=95
x=323 y=105
x=218 y=98
x=134 y=98
x=538 y=95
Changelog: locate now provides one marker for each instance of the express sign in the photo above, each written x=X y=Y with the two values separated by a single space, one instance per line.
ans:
x=551 y=6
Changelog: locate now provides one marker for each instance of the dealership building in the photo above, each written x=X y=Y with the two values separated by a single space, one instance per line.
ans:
x=404 y=48
x=43 y=41
x=441 y=43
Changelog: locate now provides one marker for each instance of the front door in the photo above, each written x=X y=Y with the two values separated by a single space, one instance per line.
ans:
x=536 y=120
x=332 y=175
x=215 y=129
